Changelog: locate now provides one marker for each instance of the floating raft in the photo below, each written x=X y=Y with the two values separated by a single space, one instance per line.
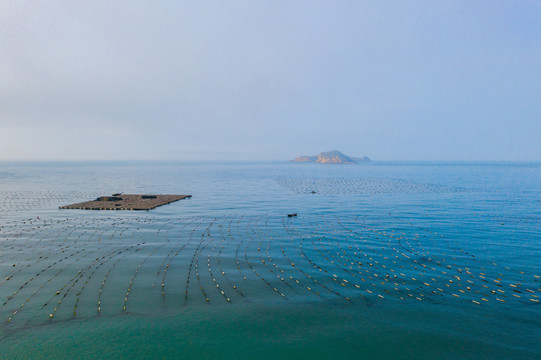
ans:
x=126 y=202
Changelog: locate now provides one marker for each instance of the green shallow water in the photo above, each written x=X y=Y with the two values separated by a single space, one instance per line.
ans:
x=245 y=332
x=384 y=261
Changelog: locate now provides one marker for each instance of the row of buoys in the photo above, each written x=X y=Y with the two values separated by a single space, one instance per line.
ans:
x=467 y=272
x=166 y=262
x=195 y=260
x=32 y=278
x=54 y=251
x=375 y=261
x=141 y=263
x=253 y=267
x=73 y=281
x=68 y=287
x=15 y=201
x=212 y=276
x=266 y=259
x=367 y=185
x=308 y=258
x=338 y=280
x=223 y=247
x=300 y=282
x=66 y=260
x=124 y=253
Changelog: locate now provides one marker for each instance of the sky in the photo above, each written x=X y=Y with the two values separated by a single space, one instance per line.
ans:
x=270 y=80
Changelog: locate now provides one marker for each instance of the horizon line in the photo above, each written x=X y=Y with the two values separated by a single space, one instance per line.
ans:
x=267 y=160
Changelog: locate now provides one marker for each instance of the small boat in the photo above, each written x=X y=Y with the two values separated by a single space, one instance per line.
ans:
x=292 y=215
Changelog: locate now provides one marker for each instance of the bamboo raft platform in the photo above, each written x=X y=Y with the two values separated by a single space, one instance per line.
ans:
x=126 y=202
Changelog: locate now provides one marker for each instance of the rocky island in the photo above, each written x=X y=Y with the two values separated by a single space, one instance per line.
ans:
x=331 y=157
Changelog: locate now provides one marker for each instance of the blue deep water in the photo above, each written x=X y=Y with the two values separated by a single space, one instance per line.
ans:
x=384 y=260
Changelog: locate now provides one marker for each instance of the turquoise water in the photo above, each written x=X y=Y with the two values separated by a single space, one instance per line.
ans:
x=383 y=261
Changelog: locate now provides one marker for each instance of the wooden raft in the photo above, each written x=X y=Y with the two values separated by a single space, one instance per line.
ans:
x=126 y=202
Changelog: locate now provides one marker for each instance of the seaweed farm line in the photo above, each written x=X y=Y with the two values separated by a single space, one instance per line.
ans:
x=83 y=267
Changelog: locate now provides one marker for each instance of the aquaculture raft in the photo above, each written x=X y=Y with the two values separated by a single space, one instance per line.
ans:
x=126 y=202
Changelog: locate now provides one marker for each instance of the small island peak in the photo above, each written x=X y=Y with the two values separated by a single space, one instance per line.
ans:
x=331 y=157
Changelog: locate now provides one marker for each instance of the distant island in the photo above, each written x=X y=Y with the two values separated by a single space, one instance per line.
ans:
x=331 y=157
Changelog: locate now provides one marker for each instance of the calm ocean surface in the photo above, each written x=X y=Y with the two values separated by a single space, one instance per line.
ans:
x=384 y=261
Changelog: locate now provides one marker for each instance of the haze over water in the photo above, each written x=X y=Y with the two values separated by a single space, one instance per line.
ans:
x=384 y=260
x=270 y=80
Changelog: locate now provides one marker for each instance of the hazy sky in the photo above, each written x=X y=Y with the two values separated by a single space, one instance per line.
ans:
x=241 y=80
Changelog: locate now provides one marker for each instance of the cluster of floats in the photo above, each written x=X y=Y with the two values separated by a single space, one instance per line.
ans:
x=84 y=266
x=21 y=201
x=362 y=185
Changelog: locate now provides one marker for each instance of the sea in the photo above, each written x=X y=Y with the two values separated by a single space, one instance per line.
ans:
x=272 y=260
